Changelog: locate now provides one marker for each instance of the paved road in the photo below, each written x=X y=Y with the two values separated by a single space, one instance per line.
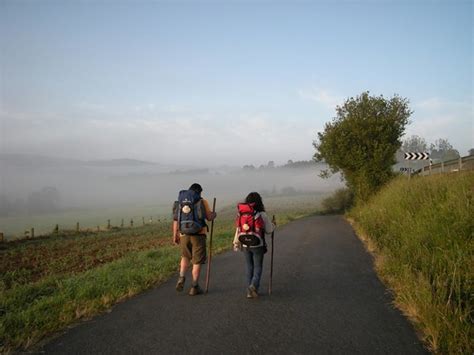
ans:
x=326 y=300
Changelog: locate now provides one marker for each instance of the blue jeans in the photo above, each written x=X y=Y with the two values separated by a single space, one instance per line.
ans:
x=254 y=261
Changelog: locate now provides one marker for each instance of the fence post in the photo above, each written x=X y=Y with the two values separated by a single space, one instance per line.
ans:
x=442 y=166
x=56 y=229
x=2 y=237
x=108 y=224
x=131 y=222
x=121 y=224
x=32 y=233
x=77 y=227
x=460 y=163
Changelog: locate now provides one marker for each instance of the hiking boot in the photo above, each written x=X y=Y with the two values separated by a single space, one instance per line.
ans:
x=180 y=284
x=195 y=290
x=252 y=291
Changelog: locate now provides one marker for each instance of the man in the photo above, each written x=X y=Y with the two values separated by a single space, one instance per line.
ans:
x=193 y=245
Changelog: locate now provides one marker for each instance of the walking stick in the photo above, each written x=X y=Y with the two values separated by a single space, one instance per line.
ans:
x=271 y=261
x=208 y=273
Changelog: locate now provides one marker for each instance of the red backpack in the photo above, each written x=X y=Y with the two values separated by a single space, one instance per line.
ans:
x=250 y=226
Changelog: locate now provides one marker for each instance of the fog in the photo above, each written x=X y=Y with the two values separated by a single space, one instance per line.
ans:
x=35 y=185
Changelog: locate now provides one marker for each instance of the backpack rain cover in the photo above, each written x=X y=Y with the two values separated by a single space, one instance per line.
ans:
x=250 y=226
x=191 y=212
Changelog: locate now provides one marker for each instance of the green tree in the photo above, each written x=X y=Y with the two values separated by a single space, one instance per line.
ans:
x=414 y=144
x=443 y=150
x=361 y=141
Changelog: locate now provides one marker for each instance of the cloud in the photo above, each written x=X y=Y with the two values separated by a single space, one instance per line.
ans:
x=90 y=106
x=181 y=136
x=438 y=104
x=321 y=96
x=435 y=118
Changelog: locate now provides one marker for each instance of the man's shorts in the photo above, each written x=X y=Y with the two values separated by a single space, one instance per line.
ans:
x=193 y=247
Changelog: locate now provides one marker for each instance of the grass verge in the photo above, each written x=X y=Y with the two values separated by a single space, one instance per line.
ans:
x=31 y=311
x=421 y=232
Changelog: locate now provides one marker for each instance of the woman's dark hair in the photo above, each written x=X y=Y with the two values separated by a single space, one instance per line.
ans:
x=196 y=187
x=254 y=197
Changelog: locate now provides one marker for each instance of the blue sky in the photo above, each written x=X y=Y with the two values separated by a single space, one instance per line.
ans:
x=244 y=81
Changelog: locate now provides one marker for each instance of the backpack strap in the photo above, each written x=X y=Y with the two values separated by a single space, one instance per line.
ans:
x=201 y=211
x=256 y=216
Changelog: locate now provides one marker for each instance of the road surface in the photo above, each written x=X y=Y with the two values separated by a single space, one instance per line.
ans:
x=326 y=299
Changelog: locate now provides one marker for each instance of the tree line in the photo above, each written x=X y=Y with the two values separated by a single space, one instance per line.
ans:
x=300 y=164
x=440 y=150
x=45 y=200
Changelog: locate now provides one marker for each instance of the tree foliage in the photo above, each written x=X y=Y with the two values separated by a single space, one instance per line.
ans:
x=46 y=200
x=440 y=150
x=415 y=144
x=300 y=164
x=443 y=150
x=361 y=141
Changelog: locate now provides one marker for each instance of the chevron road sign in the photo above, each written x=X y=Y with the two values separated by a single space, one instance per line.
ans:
x=417 y=156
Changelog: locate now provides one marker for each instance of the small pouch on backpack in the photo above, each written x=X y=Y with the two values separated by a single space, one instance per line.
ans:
x=251 y=240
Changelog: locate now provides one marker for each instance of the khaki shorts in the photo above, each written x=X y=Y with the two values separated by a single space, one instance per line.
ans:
x=193 y=247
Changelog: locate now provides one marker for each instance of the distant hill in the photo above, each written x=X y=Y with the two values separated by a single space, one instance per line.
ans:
x=27 y=160
x=119 y=162
x=30 y=160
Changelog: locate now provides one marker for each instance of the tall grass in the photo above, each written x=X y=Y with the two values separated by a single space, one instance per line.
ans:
x=422 y=231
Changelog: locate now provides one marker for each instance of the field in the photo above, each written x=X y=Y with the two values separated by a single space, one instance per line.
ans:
x=19 y=227
x=15 y=227
x=50 y=282
x=422 y=234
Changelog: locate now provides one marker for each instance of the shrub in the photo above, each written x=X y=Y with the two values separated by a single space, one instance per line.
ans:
x=340 y=201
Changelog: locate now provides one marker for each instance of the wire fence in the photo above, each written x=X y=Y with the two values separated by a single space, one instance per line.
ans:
x=56 y=229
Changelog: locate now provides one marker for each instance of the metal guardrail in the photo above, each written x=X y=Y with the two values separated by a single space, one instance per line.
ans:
x=450 y=166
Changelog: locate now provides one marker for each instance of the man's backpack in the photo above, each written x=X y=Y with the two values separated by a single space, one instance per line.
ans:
x=190 y=212
x=250 y=226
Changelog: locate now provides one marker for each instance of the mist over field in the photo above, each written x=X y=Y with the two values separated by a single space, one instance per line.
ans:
x=36 y=185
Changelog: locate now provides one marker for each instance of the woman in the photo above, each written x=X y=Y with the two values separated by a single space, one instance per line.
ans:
x=254 y=254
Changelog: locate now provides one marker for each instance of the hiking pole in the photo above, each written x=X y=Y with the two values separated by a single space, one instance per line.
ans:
x=271 y=261
x=208 y=273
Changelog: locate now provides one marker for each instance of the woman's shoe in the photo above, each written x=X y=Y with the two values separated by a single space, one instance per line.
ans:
x=253 y=291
